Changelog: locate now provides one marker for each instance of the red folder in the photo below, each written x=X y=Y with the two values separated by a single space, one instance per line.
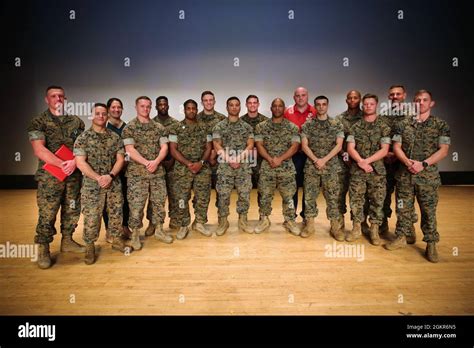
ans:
x=64 y=154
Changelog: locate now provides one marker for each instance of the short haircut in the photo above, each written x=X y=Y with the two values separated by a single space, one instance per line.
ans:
x=53 y=87
x=321 y=97
x=100 y=105
x=397 y=86
x=206 y=93
x=190 y=101
x=274 y=100
x=142 y=97
x=232 y=98
x=161 y=97
x=111 y=100
x=251 y=96
x=354 y=91
x=370 y=96
x=420 y=91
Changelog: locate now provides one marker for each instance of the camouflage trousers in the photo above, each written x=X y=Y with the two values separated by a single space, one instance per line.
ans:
x=182 y=183
x=427 y=197
x=141 y=189
x=52 y=195
x=94 y=200
x=242 y=181
x=331 y=186
x=344 y=177
x=391 y=169
x=344 y=180
x=171 y=201
x=286 y=185
x=371 y=186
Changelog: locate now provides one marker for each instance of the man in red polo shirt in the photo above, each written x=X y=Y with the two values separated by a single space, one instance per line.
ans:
x=298 y=114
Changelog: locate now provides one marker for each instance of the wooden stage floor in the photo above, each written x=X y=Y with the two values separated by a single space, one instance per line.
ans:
x=274 y=273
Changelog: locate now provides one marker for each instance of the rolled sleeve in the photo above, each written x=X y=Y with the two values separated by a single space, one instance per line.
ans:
x=385 y=140
x=397 y=138
x=128 y=141
x=164 y=140
x=258 y=137
x=173 y=138
x=350 y=139
x=36 y=135
x=216 y=135
x=295 y=139
x=209 y=138
x=340 y=134
x=79 y=152
x=444 y=140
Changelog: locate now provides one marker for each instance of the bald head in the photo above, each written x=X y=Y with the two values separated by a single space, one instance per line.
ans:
x=301 y=97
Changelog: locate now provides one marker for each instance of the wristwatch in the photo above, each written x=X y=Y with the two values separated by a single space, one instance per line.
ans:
x=203 y=162
x=112 y=175
x=425 y=164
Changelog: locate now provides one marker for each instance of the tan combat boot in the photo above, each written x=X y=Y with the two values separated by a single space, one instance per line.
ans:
x=308 y=229
x=374 y=234
x=161 y=235
x=263 y=224
x=120 y=244
x=197 y=226
x=292 y=227
x=44 y=257
x=336 y=231
x=355 y=233
x=398 y=243
x=135 y=240
x=223 y=225
x=69 y=245
x=384 y=227
x=243 y=224
x=342 y=224
x=150 y=230
x=431 y=252
x=411 y=238
x=182 y=232
x=89 y=258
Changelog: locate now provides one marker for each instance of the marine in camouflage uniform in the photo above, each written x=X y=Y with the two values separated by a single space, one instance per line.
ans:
x=322 y=137
x=233 y=139
x=99 y=153
x=347 y=120
x=422 y=142
x=393 y=118
x=368 y=138
x=190 y=145
x=148 y=139
x=253 y=122
x=51 y=132
x=166 y=121
x=277 y=141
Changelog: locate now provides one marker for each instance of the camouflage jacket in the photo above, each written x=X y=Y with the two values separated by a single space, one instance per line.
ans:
x=368 y=138
x=277 y=138
x=322 y=136
x=234 y=137
x=147 y=139
x=419 y=141
x=191 y=142
x=101 y=150
x=169 y=121
x=254 y=121
x=210 y=120
x=55 y=131
x=347 y=122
